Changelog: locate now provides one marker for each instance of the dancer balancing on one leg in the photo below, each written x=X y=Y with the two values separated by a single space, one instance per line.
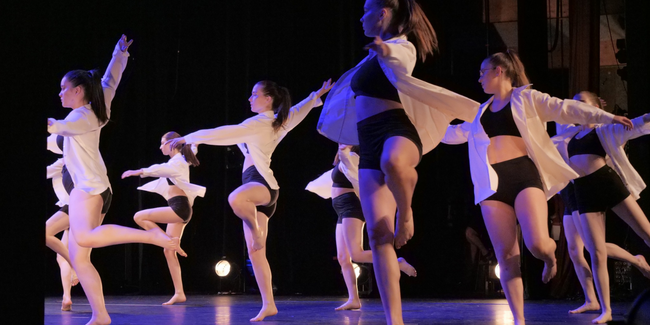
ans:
x=174 y=185
x=574 y=234
x=395 y=118
x=604 y=184
x=89 y=97
x=342 y=185
x=515 y=167
x=257 y=137
x=59 y=222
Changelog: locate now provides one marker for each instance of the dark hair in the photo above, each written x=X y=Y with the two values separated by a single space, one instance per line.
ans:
x=408 y=18
x=185 y=149
x=511 y=64
x=281 y=101
x=354 y=149
x=91 y=82
x=591 y=97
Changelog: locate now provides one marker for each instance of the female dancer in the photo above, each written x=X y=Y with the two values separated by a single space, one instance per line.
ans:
x=257 y=137
x=342 y=185
x=395 y=118
x=174 y=185
x=515 y=167
x=599 y=188
x=59 y=221
x=90 y=98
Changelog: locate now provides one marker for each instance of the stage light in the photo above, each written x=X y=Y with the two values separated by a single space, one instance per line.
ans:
x=222 y=268
x=497 y=271
x=357 y=270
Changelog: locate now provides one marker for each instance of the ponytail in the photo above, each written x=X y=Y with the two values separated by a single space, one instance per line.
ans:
x=408 y=17
x=281 y=101
x=91 y=82
x=185 y=149
x=511 y=64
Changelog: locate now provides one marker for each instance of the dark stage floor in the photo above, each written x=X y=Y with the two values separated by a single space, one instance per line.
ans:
x=145 y=310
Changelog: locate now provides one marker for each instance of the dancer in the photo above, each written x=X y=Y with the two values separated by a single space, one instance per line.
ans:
x=395 y=118
x=59 y=222
x=89 y=97
x=515 y=167
x=342 y=185
x=174 y=185
x=257 y=137
x=599 y=188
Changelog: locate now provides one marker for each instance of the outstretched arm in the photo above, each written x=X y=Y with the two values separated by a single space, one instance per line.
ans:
x=167 y=169
x=300 y=111
x=457 y=134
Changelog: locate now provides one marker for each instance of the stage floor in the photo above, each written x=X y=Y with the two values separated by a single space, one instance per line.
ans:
x=147 y=310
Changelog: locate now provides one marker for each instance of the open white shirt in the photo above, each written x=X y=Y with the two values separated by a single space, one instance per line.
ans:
x=531 y=111
x=258 y=135
x=613 y=138
x=429 y=107
x=349 y=165
x=81 y=130
x=177 y=169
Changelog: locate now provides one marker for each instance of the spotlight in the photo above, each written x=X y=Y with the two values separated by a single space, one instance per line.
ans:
x=497 y=271
x=222 y=268
x=357 y=270
x=494 y=271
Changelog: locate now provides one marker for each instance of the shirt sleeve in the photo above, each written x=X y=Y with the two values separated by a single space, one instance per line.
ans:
x=402 y=57
x=168 y=169
x=457 y=134
x=567 y=111
x=226 y=135
x=620 y=135
x=298 y=112
x=54 y=169
x=113 y=75
x=74 y=124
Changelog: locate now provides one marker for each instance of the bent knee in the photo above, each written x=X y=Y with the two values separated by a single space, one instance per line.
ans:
x=84 y=239
x=344 y=260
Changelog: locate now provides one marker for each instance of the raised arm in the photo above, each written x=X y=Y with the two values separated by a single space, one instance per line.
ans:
x=298 y=112
x=114 y=71
x=457 y=134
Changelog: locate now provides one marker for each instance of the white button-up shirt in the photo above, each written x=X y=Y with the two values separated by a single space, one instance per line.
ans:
x=349 y=165
x=531 y=110
x=258 y=135
x=81 y=130
x=177 y=169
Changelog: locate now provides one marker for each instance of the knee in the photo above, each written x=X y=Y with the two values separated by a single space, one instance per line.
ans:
x=84 y=239
x=139 y=217
x=393 y=164
x=469 y=233
x=344 y=260
x=235 y=201
x=379 y=234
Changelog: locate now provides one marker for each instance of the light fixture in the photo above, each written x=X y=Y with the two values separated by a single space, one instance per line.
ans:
x=497 y=271
x=357 y=270
x=222 y=268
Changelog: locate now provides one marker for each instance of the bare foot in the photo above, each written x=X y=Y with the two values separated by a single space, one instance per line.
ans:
x=603 y=318
x=404 y=228
x=643 y=266
x=549 y=272
x=66 y=304
x=266 y=311
x=586 y=307
x=161 y=239
x=74 y=280
x=99 y=320
x=349 y=305
x=176 y=298
x=179 y=250
x=407 y=268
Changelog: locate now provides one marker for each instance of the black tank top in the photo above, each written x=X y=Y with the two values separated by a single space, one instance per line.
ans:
x=371 y=81
x=589 y=144
x=499 y=123
x=339 y=179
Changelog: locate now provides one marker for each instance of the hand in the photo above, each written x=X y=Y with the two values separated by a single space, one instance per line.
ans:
x=50 y=121
x=131 y=173
x=603 y=103
x=327 y=85
x=624 y=121
x=173 y=143
x=123 y=44
x=378 y=46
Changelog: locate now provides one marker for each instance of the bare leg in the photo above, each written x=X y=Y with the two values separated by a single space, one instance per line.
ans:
x=175 y=230
x=66 y=276
x=353 y=230
x=616 y=252
x=148 y=219
x=576 y=252
x=261 y=268
x=531 y=211
x=501 y=224
x=343 y=256
x=243 y=201
x=398 y=160
x=631 y=213
x=378 y=204
x=593 y=225
x=57 y=223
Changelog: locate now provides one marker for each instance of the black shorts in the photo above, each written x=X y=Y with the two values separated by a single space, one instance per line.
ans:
x=66 y=179
x=65 y=209
x=599 y=191
x=347 y=205
x=181 y=206
x=569 y=199
x=375 y=130
x=515 y=175
x=252 y=175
